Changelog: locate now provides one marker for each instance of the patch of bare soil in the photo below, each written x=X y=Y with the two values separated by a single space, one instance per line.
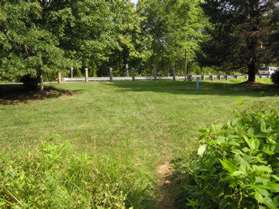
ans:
x=165 y=194
x=13 y=94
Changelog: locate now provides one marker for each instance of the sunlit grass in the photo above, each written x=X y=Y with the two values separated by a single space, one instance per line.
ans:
x=141 y=124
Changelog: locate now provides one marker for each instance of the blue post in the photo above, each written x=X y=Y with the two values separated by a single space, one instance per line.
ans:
x=198 y=84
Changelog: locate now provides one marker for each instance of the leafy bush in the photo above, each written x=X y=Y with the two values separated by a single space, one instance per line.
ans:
x=55 y=177
x=237 y=165
x=275 y=78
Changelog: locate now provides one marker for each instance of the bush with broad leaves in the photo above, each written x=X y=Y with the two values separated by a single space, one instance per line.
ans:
x=237 y=165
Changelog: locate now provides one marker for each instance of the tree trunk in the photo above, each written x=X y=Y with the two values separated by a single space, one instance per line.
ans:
x=174 y=71
x=252 y=69
x=252 y=64
x=185 y=66
x=155 y=72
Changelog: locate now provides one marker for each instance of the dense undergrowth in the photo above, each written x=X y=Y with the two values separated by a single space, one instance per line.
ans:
x=237 y=165
x=56 y=177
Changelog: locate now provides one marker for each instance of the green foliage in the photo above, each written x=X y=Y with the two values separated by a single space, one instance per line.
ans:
x=275 y=78
x=130 y=43
x=42 y=37
x=237 y=164
x=56 y=177
x=176 y=28
x=272 y=54
x=243 y=34
x=28 y=47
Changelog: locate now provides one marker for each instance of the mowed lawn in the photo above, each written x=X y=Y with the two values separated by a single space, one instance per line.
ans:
x=144 y=123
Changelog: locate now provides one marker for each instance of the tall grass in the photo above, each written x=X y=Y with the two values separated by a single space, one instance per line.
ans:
x=54 y=176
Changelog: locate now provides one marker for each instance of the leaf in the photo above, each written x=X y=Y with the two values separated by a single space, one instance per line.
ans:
x=262 y=169
x=263 y=126
x=273 y=187
x=262 y=197
x=228 y=166
x=269 y=149
x=202 y=150
x=252 y=142
x=275 y=177
x=239 y=173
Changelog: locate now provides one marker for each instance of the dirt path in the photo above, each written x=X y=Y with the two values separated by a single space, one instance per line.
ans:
x=165 y=196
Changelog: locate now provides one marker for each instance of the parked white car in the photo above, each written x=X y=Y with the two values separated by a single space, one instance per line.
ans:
x=269 y=70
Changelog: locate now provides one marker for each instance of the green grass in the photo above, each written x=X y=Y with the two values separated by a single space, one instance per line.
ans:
x=142 y=123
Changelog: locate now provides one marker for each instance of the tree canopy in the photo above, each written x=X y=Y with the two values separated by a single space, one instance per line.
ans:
x=243 y=33
x=40 y=37
x=27 y=46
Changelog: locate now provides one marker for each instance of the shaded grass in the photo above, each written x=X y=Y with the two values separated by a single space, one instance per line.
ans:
x=140 y=124
x=16 y=93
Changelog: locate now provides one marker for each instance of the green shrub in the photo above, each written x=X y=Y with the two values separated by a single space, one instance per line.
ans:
x=237 y=165
x=275 y=78
x=55 y=177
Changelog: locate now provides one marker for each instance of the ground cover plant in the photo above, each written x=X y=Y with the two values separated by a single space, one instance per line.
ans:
x=236 y=165
x=127 y=130
x=54 y=176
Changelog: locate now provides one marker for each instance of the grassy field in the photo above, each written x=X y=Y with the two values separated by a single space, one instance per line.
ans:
x=142 y=123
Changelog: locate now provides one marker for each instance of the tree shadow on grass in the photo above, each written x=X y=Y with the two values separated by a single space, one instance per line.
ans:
x=15 y=93
x=206 y=88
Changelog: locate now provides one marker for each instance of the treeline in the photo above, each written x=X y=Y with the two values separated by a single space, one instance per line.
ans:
x=40 y=37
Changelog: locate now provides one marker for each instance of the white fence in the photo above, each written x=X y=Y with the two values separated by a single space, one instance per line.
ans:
x=133 y=78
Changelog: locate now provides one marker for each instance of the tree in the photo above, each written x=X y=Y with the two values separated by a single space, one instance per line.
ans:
x=91 y=38
x=131 y=44
x=272 y=42
x=177 y=29
x=241 y=31
x=28 y=48
x=99 y=34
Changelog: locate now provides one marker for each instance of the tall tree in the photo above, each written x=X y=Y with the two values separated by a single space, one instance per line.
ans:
x=99 y=34
x=241 y=31
x=87 y=32
x=176 y=27
x=272 y=41
x=132 y=45
x=28 y=48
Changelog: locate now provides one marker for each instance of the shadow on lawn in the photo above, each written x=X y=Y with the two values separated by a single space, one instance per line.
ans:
x=15 y=93
x=206 y=88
